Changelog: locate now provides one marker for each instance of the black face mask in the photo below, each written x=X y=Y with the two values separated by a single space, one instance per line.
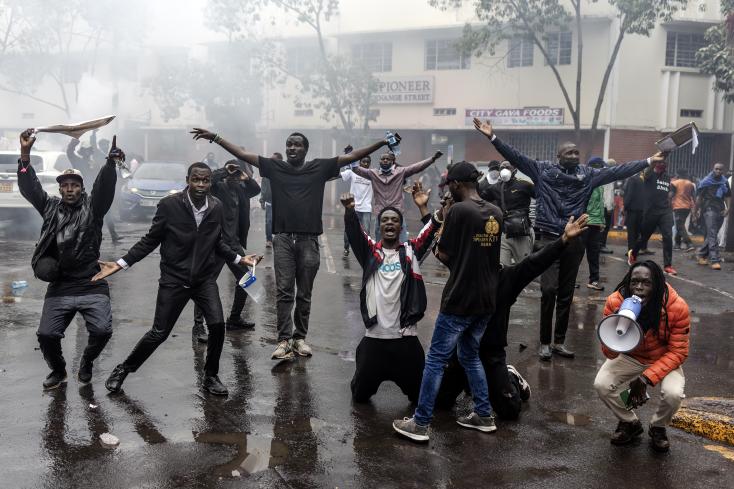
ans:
x=569 y=162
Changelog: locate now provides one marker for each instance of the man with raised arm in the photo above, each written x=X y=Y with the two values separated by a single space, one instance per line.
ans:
x=298 y=194
x=563 y=189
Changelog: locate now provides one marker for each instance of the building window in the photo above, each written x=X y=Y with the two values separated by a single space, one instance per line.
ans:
x=691 y=113
x=520 y=52
x=558 y=45
x=302 y=60
x=681 y=48
x=444 y=111
x=373 y=56
x=444 y=54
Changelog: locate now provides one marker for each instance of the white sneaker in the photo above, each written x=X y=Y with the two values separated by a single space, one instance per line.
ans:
x=524 y=386
x=301 y=348
x=283 y=351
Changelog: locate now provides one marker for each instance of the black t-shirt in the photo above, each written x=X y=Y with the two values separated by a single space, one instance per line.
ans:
x=634 y=194
x=657 y=192
x=709 y=200
x=298 y=192
x=518 y=194
x=471 y=239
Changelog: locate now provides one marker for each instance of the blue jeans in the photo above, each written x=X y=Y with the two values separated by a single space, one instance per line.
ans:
x=450 y=331
x=365 y=219
x=710 y=249
x=403 y=231
x=268 y=221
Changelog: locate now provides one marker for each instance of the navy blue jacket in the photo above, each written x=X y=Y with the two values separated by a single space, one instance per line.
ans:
x=562 y=193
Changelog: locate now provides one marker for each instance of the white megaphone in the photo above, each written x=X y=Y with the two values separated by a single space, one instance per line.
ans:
x=620 y=332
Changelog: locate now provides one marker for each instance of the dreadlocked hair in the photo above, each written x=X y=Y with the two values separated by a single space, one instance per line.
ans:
x=656 y=305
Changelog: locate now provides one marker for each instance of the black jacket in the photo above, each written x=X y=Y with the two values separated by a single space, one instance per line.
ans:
x=236 y=207
x=513 y=279
x=76 y=244
x=369 y=255
x=187 y=253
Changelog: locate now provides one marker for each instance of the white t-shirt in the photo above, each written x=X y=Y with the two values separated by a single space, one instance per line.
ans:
x=361 y=188
x=383 y=299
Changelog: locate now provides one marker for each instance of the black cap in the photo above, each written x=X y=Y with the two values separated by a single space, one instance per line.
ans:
x=463 y=171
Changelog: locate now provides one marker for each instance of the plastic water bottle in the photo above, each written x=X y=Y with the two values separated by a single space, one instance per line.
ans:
x=254 y=287
x=392 y=143
x=18 y=284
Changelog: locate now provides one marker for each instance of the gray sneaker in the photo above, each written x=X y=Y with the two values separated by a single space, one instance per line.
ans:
x=476 y=422
x=545 y=352
x=283 y=351
x=408 y=428
x=301 y=348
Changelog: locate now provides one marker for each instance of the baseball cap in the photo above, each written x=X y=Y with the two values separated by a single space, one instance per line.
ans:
x=463 y=171
x=71 y=173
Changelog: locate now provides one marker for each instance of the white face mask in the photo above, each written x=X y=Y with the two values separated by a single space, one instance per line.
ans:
x=505 y=175
x=493 y=175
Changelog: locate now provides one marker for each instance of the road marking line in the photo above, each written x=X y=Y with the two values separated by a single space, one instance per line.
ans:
x=727 y=453
x=327 y=253
x=687 y=280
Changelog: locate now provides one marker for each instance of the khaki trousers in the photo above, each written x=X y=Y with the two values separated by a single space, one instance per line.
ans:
x=614 y=377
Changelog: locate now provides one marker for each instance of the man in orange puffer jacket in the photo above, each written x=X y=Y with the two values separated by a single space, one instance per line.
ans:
x=666 y=323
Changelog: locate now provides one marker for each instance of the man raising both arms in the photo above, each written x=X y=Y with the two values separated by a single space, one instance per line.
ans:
x=298 y=193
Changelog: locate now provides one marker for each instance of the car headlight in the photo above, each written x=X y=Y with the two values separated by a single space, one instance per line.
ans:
x=173 y=191
x=133 y=190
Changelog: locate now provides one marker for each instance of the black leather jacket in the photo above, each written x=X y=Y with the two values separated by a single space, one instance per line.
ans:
x=187 y=252
x=76 y=243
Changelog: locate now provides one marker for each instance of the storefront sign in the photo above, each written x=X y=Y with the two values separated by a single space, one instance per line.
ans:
x=527 y=116
x=404 y=90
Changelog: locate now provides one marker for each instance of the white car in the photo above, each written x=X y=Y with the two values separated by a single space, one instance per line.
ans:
x=48 y=165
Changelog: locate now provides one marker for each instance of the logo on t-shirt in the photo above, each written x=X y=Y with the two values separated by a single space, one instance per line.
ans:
x=490 y=234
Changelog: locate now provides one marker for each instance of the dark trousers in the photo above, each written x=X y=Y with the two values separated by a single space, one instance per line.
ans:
x=594 y=237
x=633 y=221
x=710 y=249
x=297 y=258
x=609 y=216
x=240 y=296
x=170 y=302
x=662 y=220
x=268 y=221
x=399 y=360
x=681 y=233
x=557 y=285
x=504 y=389
x=58 y=313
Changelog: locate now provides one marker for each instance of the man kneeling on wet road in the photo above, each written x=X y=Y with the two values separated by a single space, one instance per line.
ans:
x=66 y=256
x=392 y=299
x=666 y=323
x=188 y=228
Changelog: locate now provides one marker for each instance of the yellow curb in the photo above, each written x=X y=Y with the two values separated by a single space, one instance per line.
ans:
x=727 y=453
x=617 y=234
x=710 y=417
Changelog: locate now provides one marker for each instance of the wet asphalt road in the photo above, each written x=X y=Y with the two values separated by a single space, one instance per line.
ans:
x=293 y=424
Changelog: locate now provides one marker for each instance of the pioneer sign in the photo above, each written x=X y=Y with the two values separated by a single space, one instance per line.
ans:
x=404 y=90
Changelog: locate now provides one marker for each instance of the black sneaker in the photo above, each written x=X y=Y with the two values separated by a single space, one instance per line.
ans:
x=658 y=439
x=213 y=385
x=54 y=379
x=85 y=372
x=235 y=323
x=116 y=378
x=626 y=432
x=346 y=252
x=561 y=350
x=484 y=424
x=524 y=386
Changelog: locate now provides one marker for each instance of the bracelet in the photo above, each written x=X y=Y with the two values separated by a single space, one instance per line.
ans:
x=216 y=139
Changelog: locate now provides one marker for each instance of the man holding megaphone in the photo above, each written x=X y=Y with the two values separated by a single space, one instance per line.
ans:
x=644 y=335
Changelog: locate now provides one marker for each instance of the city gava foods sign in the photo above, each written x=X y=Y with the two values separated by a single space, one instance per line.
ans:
x=404 y=90
x=527 y=116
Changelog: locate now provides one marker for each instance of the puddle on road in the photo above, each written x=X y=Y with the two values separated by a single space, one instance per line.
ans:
x=254 y=453
x=572 y=419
